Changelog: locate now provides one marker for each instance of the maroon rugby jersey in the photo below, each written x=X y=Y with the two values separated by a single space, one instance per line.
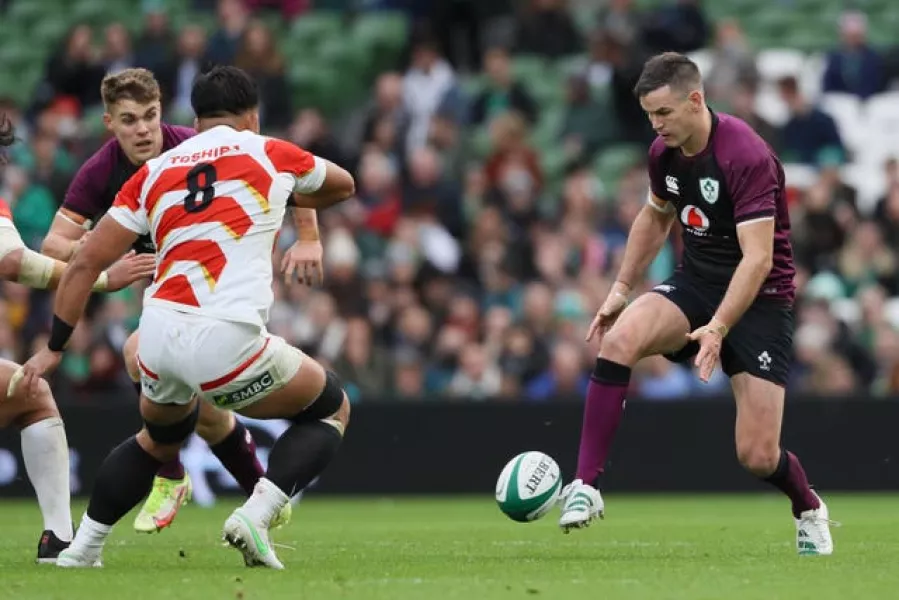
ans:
x=95 y=185
x=737 y=178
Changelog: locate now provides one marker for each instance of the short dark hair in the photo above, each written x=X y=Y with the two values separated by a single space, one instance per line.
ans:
x=671 y=69
x=223 y=91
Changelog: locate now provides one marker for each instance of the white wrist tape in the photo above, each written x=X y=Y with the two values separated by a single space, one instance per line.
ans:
x=36 y=269
x=102 y=283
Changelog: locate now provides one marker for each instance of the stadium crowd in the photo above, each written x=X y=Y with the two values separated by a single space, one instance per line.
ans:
x=476 y=253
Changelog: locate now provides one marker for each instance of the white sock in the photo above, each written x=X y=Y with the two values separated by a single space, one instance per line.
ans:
x=265 y=502
x=91 y=535
x=46 y=453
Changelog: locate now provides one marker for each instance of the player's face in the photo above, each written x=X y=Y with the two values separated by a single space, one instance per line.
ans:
x=672 y=113
x=137 y=127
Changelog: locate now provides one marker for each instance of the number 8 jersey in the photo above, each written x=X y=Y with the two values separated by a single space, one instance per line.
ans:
x=213 y=206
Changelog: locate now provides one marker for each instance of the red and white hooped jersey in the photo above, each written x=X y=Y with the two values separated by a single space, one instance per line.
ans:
x=213 y=206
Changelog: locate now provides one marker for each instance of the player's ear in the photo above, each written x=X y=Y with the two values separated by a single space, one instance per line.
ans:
x=107 y=121
x=254 y=121
x=697 y=102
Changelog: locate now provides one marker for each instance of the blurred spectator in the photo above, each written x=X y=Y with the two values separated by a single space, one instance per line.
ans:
x=741 y=97
x=224 y=43
x=678 y=26
x=566 y=376
x=733 y=62
x=309 y=130
x=387 y=110
x=363 y=363
x=545 y=28
x=259 y=56
x=74 y=69
x=33 y=207
x=866 y=259
x=425 y=86
x=810 y=135
x=117 y=54
x=855 y=67
x=179 y=75
x=660 y=379
x=586 y=126
x=155 y=45
x=513 y=169
x=502 y=93
x=477 y=377
x=620 y=20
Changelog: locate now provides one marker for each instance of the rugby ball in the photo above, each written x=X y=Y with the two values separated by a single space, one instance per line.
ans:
x=528 y=486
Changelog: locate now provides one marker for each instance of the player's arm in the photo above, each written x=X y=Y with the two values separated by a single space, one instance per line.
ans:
x=306 y=222
x=64 y=237
x=114 y=235
x=647 y=235
x=756 y=239
x=108 y=243
x=23 y=265
x=326 y=185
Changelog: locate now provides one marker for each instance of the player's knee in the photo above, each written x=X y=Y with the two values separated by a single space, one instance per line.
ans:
x=759 y=458
x=214 y=424
x=172 y=434
x=21 y=413
x=620 y=345
x=332 y=405
x=129 y=352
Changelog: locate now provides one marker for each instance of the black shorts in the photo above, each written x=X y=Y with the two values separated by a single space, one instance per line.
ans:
x=761 y=343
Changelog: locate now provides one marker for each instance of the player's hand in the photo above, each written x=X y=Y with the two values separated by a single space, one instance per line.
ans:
x=303 y=260
x=710 y=338
x=130 y=268
x=28 y=376
x=608 y=313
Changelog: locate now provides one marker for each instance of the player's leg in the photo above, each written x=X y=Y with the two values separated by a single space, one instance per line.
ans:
x=656 y=323
x=127 y=474
x=46 y=454
x=297 y=389
x=171 y=486
x=232 y=443
x=756 y=355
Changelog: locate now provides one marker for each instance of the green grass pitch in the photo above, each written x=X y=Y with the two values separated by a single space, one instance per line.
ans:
x=649 y=547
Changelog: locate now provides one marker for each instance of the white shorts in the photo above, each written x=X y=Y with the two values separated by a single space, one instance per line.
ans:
x=229 y=364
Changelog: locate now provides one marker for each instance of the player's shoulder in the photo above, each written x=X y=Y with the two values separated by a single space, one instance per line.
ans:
x=100 y=165
x=173 y=135
x=737 y=144
x=657 y=149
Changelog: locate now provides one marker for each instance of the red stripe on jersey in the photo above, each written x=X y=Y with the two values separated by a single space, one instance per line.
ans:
x=228 y=378
x=177 y=290
x=207 y=253
x=146 y=371
x=5 y=210
x=129 y=196
x=224 y=210
x=289 y=158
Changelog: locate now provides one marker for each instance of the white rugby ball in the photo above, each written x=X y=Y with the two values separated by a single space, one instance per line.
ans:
x=528 y=486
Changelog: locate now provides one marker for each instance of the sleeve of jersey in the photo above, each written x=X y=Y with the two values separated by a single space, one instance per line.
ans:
x=657 y=185
x=308 y=170
x=85 y=191
x=128 y=208
x=753 y=183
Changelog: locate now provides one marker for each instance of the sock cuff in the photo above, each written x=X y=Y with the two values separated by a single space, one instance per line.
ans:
x=268 y=485
x=44 y=424
x=783 y=464
x=607 y=371
x=93 y=525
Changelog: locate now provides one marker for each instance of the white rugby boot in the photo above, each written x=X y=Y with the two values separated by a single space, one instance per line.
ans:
x=582 y=504
x=243 y=533
x=813 y=531
x=80 y=558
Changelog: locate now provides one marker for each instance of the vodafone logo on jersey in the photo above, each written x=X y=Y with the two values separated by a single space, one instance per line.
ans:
x=693 y=218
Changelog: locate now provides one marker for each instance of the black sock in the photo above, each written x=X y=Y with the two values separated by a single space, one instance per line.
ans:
x=125 y=478
x=301 y=454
